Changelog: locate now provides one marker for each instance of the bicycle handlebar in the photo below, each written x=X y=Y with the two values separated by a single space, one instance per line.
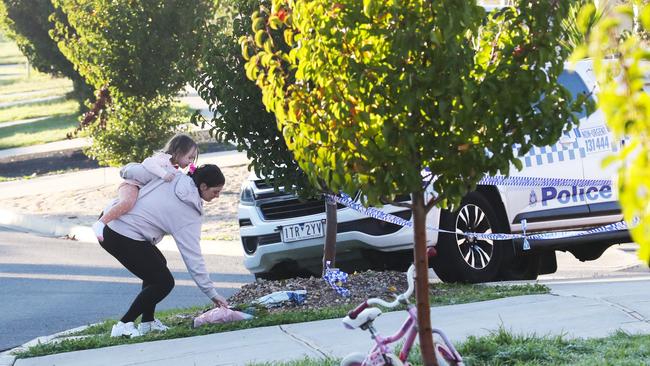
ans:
x=400 y=299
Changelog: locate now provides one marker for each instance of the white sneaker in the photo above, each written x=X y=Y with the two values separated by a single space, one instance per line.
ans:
x=98 y=228
x=152 y=326
x=124 y=330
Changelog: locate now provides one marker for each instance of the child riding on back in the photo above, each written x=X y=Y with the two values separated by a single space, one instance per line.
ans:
x=179 y=152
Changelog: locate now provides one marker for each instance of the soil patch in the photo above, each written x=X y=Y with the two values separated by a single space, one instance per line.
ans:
x=362 y=285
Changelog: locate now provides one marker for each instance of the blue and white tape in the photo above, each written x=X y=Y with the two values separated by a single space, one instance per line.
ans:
x=502 y=180
x=334 y=277
x=346 y=200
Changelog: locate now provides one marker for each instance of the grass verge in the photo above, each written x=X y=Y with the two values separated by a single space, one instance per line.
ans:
x=37 y=81
x=35 y=94
x=180 y=320
x=13 y=71
x=52 y=108
x=503 y=348
x=10 y=53
x=40 y=132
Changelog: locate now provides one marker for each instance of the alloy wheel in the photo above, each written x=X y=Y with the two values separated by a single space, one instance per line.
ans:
x=476 y=252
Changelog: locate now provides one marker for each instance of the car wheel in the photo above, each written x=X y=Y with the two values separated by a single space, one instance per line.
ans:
x=462 y=259
x=520 y=267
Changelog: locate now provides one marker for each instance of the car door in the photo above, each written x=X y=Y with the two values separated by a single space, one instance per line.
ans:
x=552 y=206
x=599 y=143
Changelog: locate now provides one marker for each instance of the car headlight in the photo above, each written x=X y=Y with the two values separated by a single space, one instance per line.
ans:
x=247 y=197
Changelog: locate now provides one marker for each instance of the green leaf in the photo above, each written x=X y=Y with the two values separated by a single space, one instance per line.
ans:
x=586 y=14
x=288 y=37
x=370 y=8
x=274 y=22
x=644 y=15
x=259 y=38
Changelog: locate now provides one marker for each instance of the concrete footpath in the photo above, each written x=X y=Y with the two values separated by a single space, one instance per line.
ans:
x=589 y=308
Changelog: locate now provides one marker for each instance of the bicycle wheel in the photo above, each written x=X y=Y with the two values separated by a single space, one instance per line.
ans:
x=357 y=358
x=353 y=359
x=443 y=354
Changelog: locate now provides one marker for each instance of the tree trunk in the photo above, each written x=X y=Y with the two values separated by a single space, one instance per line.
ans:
x=422 y=280
x=329 y=251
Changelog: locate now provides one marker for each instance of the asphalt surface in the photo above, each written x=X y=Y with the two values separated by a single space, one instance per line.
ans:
x=51 y=285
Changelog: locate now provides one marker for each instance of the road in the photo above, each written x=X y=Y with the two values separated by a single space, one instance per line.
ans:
x=49 y=285
x=618 y=262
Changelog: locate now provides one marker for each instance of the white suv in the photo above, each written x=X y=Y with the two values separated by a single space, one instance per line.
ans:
x=283 y=236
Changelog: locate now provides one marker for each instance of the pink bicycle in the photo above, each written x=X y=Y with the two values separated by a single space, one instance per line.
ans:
x=381 y=353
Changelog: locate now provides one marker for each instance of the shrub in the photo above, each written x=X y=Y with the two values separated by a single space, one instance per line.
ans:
x=130 y=135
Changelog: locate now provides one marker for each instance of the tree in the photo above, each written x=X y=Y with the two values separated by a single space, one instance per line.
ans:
x=130 y=132
x=27 y=23
x=143 y=52
x=238 y=114
x=620 y=65
x=574 y=36
x=372 y=93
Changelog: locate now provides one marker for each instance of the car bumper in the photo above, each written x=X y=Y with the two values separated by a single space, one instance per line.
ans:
x=264 y=248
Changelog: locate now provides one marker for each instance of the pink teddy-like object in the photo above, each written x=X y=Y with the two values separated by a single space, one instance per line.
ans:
x=220 y=315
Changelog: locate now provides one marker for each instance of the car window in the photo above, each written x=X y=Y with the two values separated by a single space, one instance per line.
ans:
x=574 y=83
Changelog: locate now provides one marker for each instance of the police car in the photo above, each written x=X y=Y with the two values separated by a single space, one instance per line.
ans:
x=283 y=236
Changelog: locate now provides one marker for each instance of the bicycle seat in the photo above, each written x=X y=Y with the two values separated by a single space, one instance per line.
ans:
x=365 y=317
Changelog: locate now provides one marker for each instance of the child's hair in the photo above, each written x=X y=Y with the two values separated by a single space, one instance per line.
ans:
x=179 y=145
x=209 y=174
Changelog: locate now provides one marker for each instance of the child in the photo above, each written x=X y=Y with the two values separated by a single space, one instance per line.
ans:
x=179 y=152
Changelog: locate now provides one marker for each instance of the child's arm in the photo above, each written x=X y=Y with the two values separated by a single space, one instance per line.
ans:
x=156 y=165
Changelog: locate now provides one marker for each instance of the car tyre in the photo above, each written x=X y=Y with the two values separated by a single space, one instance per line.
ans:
x=520 y=267
x=462 y=259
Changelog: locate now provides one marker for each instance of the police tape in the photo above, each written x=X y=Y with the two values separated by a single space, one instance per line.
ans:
x=502 y=180
x=336 y=278
x=346 y=200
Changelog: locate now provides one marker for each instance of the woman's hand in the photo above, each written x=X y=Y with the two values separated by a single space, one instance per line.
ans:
x=220 y=301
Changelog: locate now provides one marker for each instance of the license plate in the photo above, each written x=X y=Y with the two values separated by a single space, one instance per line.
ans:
x=305 y=230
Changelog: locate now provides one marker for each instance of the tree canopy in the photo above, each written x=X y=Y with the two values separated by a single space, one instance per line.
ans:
x=383 y=90
x=238 y=114
x=28 y=23
x=143 y=53
x=368 y=94
x=136 y=48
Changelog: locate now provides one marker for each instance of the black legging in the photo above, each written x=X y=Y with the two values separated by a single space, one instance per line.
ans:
x=146 y=261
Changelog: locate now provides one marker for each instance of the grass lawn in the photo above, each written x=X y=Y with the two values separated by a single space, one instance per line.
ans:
x=9 y=53
x=13 y=70
x=42 y=109
x=503 y=348
x=40 y=132
x=62 y=114
x=180 y=320
x=35 y=94
x=37 y=81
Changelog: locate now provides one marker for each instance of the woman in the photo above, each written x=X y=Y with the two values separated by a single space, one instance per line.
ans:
x=174 y=208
